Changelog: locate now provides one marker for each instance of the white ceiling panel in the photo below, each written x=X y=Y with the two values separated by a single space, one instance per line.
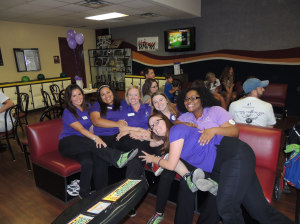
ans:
x=72 y=13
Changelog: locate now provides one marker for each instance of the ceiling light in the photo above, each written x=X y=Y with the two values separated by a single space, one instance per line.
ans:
x=106 y=16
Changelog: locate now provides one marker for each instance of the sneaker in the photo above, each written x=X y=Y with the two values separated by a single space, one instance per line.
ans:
x=132 y=213
x=125 y=157
x=156 y=218
x=156 y=168
x=73 y=191
x=189 y=180
x=207 y=185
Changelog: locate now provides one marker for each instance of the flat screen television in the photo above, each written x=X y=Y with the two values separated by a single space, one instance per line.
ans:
x=182 y=39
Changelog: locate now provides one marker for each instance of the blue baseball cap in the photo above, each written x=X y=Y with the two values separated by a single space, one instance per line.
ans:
x=253 y=83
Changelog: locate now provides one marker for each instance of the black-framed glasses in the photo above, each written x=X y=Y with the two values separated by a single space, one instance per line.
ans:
x=154 y=87
x=155 y=123
x=192 y=98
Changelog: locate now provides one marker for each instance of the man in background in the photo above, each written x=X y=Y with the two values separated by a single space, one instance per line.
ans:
x=148 y=73
x=5 y=103
x=251 y=109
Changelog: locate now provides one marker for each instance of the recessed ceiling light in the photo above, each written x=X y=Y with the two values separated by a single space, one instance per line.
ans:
x=106 y=16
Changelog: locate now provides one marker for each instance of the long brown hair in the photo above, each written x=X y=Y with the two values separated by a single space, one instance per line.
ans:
x=169 y=124
x=171 y=106
x=68 y=102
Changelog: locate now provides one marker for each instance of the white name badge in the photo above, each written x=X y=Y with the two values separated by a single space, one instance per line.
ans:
x=84 y=117
x=109 y=108
x=130 y=114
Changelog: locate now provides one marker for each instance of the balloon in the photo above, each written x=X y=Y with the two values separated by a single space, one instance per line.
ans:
x=72 y=43
x=71 y=34
x=79 y=38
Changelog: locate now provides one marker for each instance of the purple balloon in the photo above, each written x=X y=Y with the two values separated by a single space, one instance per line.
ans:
x=72 y=43
x=79 y=38
x=71 y=34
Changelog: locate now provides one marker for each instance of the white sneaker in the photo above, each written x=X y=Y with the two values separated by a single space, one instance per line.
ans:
x=207 y=185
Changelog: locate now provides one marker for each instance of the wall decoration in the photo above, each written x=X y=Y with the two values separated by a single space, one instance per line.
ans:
x=27 y=59
x=1 y=60
x=103 y=42
x=147 y=43
x=116 y=44
x=56 y=59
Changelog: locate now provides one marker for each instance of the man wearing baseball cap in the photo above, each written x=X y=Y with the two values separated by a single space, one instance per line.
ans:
x=251 y=109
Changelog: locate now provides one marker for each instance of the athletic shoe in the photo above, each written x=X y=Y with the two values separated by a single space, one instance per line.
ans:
x=156 y=218
x=207 y=185
x=73 y=188
x=156 y=168
x=125 y=157
x=189 y=180
x=132 y=213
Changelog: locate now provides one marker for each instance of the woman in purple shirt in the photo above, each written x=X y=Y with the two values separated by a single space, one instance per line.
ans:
x=77 y=142
x=200 y=108
x=231 y=158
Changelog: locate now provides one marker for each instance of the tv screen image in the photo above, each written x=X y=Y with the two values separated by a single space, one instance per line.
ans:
x=180 y=39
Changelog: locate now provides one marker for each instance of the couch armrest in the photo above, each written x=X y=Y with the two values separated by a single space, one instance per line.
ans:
x=43 y=137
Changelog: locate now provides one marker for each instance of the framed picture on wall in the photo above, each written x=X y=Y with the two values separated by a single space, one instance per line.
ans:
x=27 y=59
x=1 y=59
x=103 y=42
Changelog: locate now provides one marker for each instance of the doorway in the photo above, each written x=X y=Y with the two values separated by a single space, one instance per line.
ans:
x=72 y=61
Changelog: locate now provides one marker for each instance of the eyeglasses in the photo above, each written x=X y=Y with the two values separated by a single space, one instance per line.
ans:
x=155 y=124
x=154 y=87
x=192 y=98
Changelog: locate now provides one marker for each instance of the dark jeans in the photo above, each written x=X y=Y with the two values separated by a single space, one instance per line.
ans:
x=94 y=161
x=234 y=170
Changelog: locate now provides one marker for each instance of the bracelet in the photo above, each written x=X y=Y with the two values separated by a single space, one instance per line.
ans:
x=159 y=161
x=94 y=139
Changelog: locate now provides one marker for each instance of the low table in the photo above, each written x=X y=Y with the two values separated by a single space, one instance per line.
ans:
x=109 y=205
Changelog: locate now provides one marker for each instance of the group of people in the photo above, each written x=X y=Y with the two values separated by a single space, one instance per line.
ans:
x=249 y=108
x=196 y=138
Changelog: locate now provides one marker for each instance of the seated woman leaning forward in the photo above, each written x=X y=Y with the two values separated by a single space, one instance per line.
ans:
x=77 y=142
x=232 y=158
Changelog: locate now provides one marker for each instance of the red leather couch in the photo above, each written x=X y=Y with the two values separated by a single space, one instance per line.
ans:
x=266 y=145
x=276 y=94
x=52 y=171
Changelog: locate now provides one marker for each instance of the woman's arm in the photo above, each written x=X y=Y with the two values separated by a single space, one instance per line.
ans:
x=174 y=156
x=104 y=123
x=225 y=129
x=78 y=127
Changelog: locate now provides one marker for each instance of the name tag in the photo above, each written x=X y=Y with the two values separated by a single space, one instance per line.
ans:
x=130 y=114
x=109 y=108
x=84 y=117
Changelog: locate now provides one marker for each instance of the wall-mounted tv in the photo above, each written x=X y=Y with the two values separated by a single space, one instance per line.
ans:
x=180 y=39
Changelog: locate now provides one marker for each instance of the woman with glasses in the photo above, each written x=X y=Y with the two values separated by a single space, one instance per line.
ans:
x=231 y=158
x=200 y=108
x=150 y=87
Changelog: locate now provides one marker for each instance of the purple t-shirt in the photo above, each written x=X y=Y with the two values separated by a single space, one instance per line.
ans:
x=110 y=115
x=202 y=157
x=137 y=119
x=69 y=118
x=211 y=117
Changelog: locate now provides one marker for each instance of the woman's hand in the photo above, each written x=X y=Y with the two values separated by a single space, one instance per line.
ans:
x=190 y=124
x=122 y=123
x=122 y=134
x=99 y=142
x=147 y=157
x=207 y=135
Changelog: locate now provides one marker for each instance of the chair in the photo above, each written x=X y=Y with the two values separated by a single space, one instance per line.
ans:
x=51 y=113
x=11 y=125
x=61 y=99
x=55 y=90
x=23 y=101
x=47 y=99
